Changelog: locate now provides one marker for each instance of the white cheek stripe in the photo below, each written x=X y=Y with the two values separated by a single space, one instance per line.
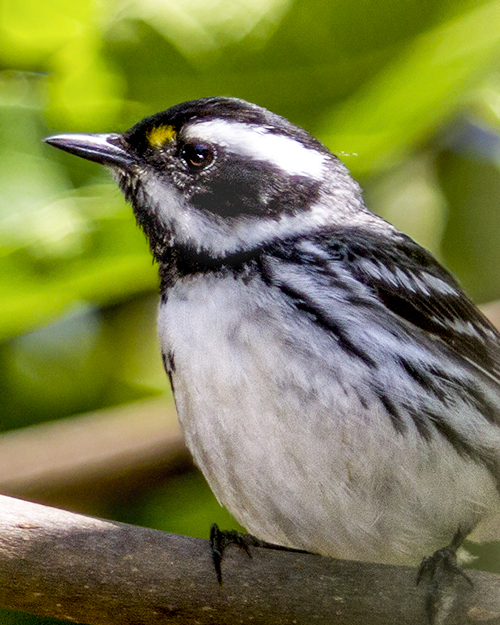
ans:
x=259 y=144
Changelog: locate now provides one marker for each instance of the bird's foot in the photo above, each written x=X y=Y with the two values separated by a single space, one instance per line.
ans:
x=441 y=573
x=221 y=539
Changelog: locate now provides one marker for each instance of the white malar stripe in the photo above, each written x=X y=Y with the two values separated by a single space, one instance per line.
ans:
x=257 y=143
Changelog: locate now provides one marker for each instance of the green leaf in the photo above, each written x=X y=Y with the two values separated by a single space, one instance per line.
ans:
x=103 y=281
x=408 y=100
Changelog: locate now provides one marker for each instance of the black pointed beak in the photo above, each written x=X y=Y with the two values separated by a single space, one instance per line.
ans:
x=106 y=149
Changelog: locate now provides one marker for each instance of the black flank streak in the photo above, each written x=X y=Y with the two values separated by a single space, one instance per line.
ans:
x=363 y=401
x=307 y=305
x=169 y=366
x=458 y=442
x=264 y=271
x=425 y=378
x=171 y=380
x=420 y=421
x=416 y=373
x=472 y=393
x=396 y=420
x=424 y=417
x=171 y=361
x=443 y=386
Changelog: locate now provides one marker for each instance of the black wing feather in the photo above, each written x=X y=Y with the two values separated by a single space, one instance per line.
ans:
x=411 y=283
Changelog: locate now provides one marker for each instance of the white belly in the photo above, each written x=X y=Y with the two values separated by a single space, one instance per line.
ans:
x=284 y=428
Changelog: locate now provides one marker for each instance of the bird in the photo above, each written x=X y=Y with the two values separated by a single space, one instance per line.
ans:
x=336 y=386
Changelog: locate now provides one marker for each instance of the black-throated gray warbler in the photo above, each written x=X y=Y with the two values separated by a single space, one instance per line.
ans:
x=337 y=388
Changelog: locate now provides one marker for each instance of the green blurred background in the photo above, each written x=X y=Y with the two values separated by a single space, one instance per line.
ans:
x=406 y=92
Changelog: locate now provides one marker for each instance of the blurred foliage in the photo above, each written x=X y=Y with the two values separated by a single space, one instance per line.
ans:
x=407 y=92
x=196 y=508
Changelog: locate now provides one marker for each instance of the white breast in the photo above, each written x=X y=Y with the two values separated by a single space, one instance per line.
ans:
x=283 y=426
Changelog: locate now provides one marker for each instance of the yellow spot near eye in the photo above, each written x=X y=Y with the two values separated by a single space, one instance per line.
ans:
x=160 y=135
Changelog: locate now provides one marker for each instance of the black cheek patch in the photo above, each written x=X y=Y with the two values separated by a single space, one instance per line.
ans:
x=253 y=188
x=298 y=194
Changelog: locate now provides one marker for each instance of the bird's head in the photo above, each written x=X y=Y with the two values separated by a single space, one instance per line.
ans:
x=221 y=175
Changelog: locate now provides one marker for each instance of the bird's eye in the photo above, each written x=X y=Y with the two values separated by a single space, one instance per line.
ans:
x=197 y=155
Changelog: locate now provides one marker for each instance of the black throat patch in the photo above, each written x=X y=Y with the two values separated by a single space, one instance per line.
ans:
x=182 y=261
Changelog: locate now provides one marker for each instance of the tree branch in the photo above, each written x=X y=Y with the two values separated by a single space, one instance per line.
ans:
x=87 y=570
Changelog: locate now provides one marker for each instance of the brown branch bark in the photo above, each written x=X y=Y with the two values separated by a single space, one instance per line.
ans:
x=87 y=570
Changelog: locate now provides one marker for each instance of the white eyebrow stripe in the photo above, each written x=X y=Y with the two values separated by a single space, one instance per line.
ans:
x=288 y=154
